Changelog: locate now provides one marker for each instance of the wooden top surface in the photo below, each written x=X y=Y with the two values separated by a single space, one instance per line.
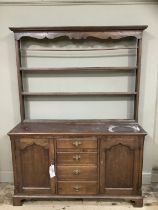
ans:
x=78 y=28
x=72 y=127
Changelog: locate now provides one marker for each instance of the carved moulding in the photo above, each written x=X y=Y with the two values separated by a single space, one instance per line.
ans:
x=80 y=35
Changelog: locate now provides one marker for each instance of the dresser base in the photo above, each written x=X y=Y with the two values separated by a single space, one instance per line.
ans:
x=89 y=161
x=137 y=201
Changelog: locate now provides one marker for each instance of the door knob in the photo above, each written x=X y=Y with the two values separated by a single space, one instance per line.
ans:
x=77 y=143
x=76 y=172
x=77 y=188
x=76 y=157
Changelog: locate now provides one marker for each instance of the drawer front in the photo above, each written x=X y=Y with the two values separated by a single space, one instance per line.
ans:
x=77 y=188
x=77 y=172
x=76 y=158
x=75 y=144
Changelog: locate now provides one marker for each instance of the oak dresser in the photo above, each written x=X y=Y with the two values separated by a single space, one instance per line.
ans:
x=78 y=158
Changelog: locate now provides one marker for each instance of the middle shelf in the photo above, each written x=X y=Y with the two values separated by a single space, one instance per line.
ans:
x=77 y=69
x=79 y=93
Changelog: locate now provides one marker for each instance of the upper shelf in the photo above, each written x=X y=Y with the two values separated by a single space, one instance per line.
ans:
x=79 y=93
x=101 y=32
x=79 y=28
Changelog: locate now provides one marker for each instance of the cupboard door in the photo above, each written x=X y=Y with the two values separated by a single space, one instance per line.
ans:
x=33 y=158
x=121 y=165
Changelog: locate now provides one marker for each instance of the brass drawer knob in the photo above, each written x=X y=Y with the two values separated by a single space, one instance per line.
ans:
x=76 y=172
x=77 y=143
x=77 y=188
x=76 y=157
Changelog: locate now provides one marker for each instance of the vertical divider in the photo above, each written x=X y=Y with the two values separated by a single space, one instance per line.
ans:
x=19 y=76
x=98 y=163
x=137 y=83
x=52 y=157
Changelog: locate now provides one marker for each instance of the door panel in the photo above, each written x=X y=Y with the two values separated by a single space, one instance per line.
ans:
x=35 y=165
x=34 y=157
x=120 y=165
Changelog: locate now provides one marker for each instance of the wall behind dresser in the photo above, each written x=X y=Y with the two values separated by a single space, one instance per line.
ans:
x=22 y=14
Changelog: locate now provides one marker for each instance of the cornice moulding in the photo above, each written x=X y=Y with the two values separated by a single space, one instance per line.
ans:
x=73 y=2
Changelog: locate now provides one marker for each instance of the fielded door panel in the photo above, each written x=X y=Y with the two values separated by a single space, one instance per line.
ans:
x=120 y=165
x=33 y=158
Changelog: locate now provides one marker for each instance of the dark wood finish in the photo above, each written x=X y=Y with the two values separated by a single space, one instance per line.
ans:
x=137 y=84
x=32 y=159
x=112 y=170
x=93 y=159
x=79 y=28
x=77 y=70
x=77 y=188
x=101 y=32
x=76 y=158
x=79 y=93
x=138 y=202
x=120 y=165
x=52 y=155
x=73 y=127
x=77 y=144
x=114 y=32
x=78 y=50
x=17 y=201
x=122 y=152
x=80 y=35
x=77 y=172
x=19 y=77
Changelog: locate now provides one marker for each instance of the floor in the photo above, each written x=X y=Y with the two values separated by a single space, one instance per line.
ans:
x=6 y=192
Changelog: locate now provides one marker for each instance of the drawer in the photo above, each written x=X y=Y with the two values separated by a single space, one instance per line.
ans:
x=77 y=158
x=77 y=188
x=77 y=144
x=77 y=172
